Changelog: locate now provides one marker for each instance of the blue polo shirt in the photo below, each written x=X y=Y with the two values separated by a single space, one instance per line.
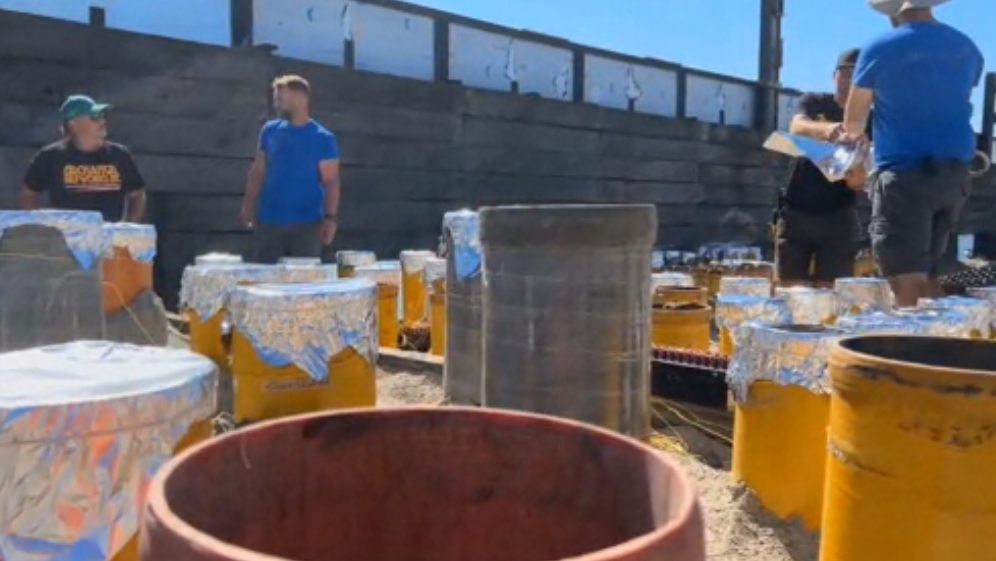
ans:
x=923 y=75
x=292 y=191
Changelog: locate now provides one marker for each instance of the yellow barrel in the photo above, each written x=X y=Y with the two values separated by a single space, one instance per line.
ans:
x=756 y=269
x=301 y=348
x=862 y=295
x=911 y=450
x=129 y=250
x=778 y=378
x=810 y=306
x=300 y=261
x=205 y=290
x=413 y=293
x=677 y=295
x=388 y=276
x=435 y=286
x=734 y=311
x=685 y=326
x=84 y=425
x=346 y=261
x=204 y=293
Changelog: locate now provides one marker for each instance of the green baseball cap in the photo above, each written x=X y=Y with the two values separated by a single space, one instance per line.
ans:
x=77 y=106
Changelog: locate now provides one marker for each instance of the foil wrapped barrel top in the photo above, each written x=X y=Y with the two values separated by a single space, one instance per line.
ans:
x=83 y=427
x=462 y=226
x=83 y=231
x=307 y=324
x=138 y=239
x=745 y=286
x=381 y=272
x=217 y=259
x=862 y=295
x=671 y=280
x=809 y=306
x=788 y=355
x=435 y=270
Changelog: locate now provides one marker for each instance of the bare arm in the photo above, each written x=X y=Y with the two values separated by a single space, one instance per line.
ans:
x=254 y=185
x=28 y=199
x=858 y=108
x=135 y=206
x=804 y=126
x=330 y=180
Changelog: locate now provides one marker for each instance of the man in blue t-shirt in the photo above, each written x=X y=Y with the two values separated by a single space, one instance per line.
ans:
x=920 y=78
x=292 y=195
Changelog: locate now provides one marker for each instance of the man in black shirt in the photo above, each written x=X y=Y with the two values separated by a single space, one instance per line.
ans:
x=84 y=171
x=817 y=227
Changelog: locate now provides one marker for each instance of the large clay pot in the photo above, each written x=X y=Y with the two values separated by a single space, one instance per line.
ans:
x=427 y=484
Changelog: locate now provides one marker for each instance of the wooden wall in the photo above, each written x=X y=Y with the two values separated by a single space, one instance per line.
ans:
x=411 y=150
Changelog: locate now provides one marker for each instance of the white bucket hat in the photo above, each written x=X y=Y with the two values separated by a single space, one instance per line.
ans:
x=893 y=7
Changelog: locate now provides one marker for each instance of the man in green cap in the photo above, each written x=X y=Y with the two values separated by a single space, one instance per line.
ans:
x=85 y=171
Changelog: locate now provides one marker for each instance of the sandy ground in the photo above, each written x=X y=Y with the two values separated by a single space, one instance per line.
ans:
x=737 y=528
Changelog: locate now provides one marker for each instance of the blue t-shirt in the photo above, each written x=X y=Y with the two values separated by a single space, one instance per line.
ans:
x=292 y=191
x=922 y=75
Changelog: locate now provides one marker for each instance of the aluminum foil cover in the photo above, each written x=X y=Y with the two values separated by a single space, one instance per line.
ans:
x=745 y=286
x=205 y=289
x=382 y=272
x=670 y=280
x=831 y=159
x=307 y=324
x=657 y=259
x=979 y=313
x=435 y=269
x=217 y=259
x=355 y=258
x=734 y=311
x=786 y=355
x=809 y=306
x=939 y=322
x=462 y=226
x=414 y=260
x=987 y=293
x=301 y=261
x=138 y=239
x=82 y=230
x=862 y=296
x=83 y=428
x=878 y=323
x=304 y=273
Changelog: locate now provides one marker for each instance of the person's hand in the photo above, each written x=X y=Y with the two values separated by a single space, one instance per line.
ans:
x=834 y=133
x=247 y=216
x=327 y=231
x=850 y=139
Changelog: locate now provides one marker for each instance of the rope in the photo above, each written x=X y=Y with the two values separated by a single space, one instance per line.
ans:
x=131 y=313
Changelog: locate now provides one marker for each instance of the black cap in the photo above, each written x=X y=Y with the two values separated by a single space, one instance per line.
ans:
x=848 y=58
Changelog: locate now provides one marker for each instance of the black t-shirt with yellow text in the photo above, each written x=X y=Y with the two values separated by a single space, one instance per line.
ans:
x=76 y=180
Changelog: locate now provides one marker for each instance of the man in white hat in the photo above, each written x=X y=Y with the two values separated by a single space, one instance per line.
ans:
x=920 y=78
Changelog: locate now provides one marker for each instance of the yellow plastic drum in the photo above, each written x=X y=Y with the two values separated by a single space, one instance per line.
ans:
x=302 y=348
x=346 y=261
x=413 y=292
x=129 y=250
x=862 y=296
x=911 y=450
x=734 y=311
x=778 y=377
x=686 y=326
x=745 y=286
x=83 y=426
x=435 y=285
x=387 y=275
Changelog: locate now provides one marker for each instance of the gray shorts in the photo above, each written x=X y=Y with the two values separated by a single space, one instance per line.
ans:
x=297 y=240
x=914 y=213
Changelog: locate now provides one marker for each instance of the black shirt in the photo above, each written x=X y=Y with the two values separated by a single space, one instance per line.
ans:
x=808 y=189
x=77 y=180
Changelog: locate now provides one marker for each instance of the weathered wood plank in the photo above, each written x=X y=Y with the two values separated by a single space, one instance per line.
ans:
x=389 y=121
x=491 y=132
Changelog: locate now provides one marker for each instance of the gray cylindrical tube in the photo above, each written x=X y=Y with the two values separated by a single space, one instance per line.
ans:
x=462 y=371
x=566 y=294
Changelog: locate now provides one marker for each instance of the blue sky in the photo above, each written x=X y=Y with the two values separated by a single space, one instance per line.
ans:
x=716 y=35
